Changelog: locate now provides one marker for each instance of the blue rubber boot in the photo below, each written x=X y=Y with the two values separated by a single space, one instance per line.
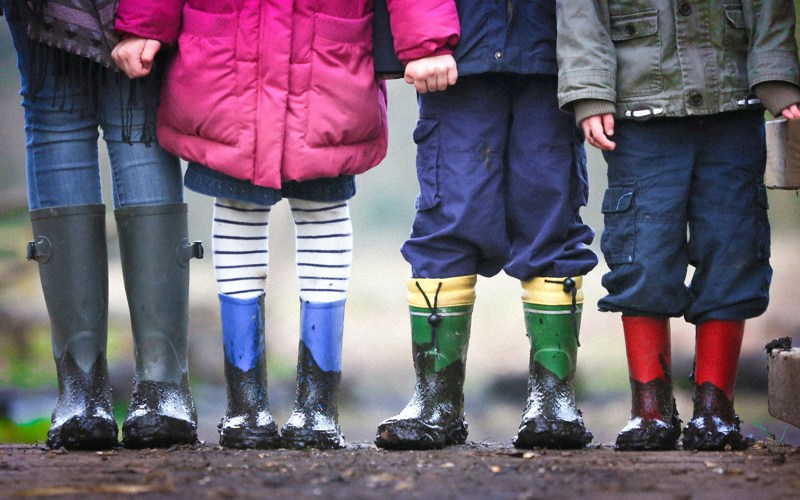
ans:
x=314 y=423
x=248 y=422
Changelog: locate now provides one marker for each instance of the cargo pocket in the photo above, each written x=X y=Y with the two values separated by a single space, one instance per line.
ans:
x=619 y=235
x=426 y=137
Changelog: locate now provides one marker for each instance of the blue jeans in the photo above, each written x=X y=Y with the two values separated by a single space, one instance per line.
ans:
x=61 y=127
x=502 y=174
x=703 y=175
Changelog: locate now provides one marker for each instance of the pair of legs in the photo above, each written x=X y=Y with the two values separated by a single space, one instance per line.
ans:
x=704 y=174
x=502 y=176
x=324 y=254
x=68 y=219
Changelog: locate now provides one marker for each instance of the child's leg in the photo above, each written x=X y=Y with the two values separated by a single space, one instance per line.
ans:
x=459 y=232
x=240 y=248
x=729 y=247
x=459 y=228
x=70 y=248
x=654 y=422
x=552 y=308
x=545 y=187
x=324 y=255
x=714 y=424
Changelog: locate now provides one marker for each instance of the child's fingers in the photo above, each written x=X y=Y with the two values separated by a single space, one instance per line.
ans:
x=791 y=112
x=452 y=75
x=151 y=48
x=594 y=131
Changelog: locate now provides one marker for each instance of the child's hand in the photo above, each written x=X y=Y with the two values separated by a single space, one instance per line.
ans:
x=430 y=74
x=597 y=129
x=135 y=55
x=791 y=112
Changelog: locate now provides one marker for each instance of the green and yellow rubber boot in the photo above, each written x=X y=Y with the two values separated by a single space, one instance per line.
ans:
x=441 y=315
x=551 y=419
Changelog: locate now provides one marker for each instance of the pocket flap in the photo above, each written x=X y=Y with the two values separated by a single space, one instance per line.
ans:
x=424 y=128
x=617 y=199
x=631 y=26
x=734 y=14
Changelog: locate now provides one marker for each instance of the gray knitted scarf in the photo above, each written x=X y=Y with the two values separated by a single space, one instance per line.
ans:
x=81 y=27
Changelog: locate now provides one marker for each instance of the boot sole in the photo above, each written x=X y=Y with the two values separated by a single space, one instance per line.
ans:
x=84 y=433
x=418 y=435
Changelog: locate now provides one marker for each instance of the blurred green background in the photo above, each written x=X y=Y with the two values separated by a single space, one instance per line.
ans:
x=378 y=375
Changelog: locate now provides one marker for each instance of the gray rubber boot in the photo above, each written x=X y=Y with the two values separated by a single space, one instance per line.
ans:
x=155 y=253
x=70 y=247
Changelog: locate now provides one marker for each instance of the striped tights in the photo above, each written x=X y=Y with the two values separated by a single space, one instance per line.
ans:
x=324 y=244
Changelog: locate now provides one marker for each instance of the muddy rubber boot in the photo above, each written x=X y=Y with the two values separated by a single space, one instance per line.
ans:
x=714 y=424
x=70 y=247
x=314 y=422
x=441 y=317
x=654 y=422
x=155 y=253
x=248 y=422
x=551 y=418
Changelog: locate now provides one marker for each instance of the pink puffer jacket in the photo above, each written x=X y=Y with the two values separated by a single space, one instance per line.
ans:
x=277 y=90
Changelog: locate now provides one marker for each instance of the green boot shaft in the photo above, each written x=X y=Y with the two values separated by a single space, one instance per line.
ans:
x=70 y=247
x=554 y=343
x=443 y=337
x=155 y=253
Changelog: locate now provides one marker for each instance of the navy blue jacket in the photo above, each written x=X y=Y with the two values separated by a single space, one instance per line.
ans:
x=514 y=36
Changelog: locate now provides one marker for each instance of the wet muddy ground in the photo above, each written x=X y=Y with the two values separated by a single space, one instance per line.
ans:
x=475 y=470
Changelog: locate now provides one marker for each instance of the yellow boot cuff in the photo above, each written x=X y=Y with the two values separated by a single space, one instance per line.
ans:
x=459 y=291
x=550 y=291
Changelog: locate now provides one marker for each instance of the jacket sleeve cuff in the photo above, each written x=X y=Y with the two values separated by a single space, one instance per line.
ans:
x=776 y=96
x=774 y=65
x=585 y=84
x=153 y=19
x=590 y=107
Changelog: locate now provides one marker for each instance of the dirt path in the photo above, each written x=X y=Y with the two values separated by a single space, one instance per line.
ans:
x=475 y=470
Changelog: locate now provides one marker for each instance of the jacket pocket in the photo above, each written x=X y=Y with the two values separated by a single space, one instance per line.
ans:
x=638 y=46
x=735 y=45
x=344 y=101
x=200 y=87
x=618 y=241
x=426 y=137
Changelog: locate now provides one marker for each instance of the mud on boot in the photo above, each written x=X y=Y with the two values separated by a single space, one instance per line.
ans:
x=433 y=419
x=247 y=422
x=161 y=414
x=714 y=425
x=654 y=423
x=314 y=422
x=551 y=418
x=83 y=418
x=552 y=309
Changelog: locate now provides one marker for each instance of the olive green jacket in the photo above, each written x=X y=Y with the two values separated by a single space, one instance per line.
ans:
x=653 y=58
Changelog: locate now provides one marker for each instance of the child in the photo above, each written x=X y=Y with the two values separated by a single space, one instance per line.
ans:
x=266 y=101
x=502 y=177
x=672 y=83
x=70 y=88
